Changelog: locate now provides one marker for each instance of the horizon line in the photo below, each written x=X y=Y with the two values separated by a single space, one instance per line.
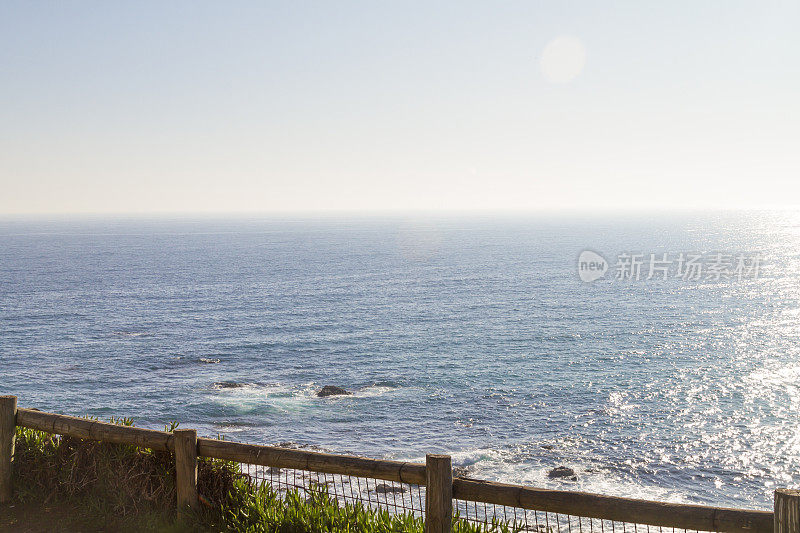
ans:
x=334 y=212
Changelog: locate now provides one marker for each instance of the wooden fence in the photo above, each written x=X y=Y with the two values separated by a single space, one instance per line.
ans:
x=435 y=475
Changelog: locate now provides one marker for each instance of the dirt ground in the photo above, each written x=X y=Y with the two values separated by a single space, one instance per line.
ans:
x=37 y=518
x=27 y=518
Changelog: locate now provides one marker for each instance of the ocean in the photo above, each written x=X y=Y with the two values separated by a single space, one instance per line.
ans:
x=472 y=335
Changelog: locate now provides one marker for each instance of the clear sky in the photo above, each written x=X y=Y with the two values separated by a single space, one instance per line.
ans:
x=137 y=107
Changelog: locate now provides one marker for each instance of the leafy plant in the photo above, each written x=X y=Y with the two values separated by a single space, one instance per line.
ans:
x=123 y=487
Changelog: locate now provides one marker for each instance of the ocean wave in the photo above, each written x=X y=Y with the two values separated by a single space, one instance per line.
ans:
x=376 y=389
x=530 y=463
x=254 y=396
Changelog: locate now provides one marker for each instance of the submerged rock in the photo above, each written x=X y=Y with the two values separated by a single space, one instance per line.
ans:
x=460 y=471
x=330 y=390
x=228 y=385
x=561 y=472
x=383 y=488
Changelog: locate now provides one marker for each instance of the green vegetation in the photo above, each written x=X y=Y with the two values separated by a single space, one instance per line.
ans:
x=86 y=485
x=104 y=486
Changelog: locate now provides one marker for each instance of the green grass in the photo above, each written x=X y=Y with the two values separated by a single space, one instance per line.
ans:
x=87 y=485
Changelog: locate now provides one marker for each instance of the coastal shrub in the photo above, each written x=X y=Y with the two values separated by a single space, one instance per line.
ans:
x=118 y=487
x=106 y=482
x=262 y=510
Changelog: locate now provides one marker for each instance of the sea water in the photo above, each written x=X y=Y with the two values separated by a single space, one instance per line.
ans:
x=468 y=335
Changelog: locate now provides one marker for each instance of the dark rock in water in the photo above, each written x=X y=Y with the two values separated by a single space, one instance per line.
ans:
x=228 y=385
x=383 y=488
x=460 y=471
x=297 y=445
x=330 y=390
x=547 y=446
x=562 y=471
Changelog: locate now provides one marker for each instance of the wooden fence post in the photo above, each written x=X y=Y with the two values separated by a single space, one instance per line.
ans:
x=787 y=511
x=186 y=471
x=438 y=494
x=8 y=431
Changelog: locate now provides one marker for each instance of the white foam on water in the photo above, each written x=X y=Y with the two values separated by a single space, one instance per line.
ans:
x=247 y=396
x=469 y=458
x=374 y=390
x=507 y=466
x=231 y=428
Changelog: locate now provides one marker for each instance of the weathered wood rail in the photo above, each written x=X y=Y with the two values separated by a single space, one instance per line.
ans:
x=436 y=475
x=653 y=513
x=271 y=456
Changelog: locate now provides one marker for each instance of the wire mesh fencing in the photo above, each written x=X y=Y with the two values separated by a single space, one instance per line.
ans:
x=491 y=517
x=393 y=497
x=299 y=493
x=408 y=499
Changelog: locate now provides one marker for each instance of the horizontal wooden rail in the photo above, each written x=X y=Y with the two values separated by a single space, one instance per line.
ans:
x=674 y=515
x=84 y=428
x=413 y=473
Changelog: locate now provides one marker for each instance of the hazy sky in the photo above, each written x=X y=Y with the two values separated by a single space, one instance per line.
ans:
x=237 y=106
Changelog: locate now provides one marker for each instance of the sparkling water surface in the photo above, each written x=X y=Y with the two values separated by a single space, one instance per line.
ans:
x=468 y=335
